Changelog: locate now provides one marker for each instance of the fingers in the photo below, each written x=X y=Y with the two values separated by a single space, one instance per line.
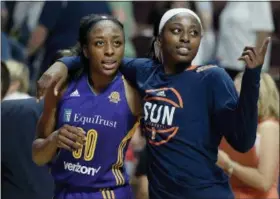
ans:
x=250 y=53
x=246 y=59
x=75 y=134
x=39 y=92
x=43 y=83
x=55 y=76
x=71 y=138
x=76 y=131
x=43 y=87
x=68 y=139
x=250 y=56
x=263 y=49
x=67 y=144
x=58 y=87
x=253 y=49
x=63 y=146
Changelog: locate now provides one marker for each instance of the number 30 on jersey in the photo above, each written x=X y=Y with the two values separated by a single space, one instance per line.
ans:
x=89 y=148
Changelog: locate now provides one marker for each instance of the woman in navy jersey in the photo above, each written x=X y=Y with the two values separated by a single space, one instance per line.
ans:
x=84 y=131
x=187 y=109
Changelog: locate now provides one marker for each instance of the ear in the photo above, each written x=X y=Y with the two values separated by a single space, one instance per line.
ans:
x=158 y=41
x=85 y=51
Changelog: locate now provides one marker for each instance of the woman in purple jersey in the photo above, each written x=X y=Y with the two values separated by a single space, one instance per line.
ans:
x=59 y=140
x=179 y=35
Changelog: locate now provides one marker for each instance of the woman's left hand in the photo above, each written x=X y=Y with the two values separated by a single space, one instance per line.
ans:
x=254 y=57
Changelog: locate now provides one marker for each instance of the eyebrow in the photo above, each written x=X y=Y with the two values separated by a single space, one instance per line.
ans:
x=194 y=26
x=102 y=37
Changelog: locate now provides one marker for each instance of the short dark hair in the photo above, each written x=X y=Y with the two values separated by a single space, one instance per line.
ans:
x=5 y=79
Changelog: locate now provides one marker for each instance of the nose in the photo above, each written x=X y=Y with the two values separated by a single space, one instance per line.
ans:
x=185 y=37
x=109 y=49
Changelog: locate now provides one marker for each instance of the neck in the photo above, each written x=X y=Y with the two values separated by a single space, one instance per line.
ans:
x=171 y=69
x=100 y=82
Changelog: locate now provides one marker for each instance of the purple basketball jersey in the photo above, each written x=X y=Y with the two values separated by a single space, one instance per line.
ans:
x=109 y=124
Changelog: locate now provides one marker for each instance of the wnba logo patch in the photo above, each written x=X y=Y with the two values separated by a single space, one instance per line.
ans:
x=159 y=110
x=115 y=97
x=67 y=115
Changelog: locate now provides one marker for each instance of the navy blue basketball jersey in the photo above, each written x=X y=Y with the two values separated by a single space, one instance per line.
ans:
x=185 y=117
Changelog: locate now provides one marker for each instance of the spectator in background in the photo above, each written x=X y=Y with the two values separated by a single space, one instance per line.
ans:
x=123 y=11
x=19 y=86
x=19 y=120
x=58 y=26
x=206 y=52
x=5 y=79
x=24 y=19
x=21 y=178
x=4 y=16
x=255 y=174
x=242 y=24
x=5 y=46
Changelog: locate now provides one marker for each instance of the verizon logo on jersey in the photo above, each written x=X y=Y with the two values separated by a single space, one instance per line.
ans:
x=81 y=169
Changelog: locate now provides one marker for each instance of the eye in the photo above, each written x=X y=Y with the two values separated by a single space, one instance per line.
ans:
x=99 y=43
x=194 y=33
x=176 y=30
x=117 y=43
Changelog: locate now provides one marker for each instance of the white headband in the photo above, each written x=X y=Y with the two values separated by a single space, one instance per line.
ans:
x=171 y=13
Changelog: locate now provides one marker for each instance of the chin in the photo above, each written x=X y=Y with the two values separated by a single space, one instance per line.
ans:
x=109 y=72
x=183 y=59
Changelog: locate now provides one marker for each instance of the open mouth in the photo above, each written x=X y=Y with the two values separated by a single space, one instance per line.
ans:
x=109 y=65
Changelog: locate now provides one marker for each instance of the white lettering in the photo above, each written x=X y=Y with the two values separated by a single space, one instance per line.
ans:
x=101 y=120
x=96 y=119
x=77 y=168
x=147 y=105
x=155 y=120
x=168 y=115
x=84 y=170
x=159 y=113
x=76 y=117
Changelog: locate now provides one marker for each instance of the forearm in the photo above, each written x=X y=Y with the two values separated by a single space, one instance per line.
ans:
x=243 y=121
x=251 y=176
x=44 y=149
x=72 y=63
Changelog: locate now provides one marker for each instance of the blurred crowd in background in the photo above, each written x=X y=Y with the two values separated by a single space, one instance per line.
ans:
x=33 y=32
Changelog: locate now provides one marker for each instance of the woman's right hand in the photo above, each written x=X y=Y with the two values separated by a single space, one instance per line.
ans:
x=70 y=137
x=56 y=74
